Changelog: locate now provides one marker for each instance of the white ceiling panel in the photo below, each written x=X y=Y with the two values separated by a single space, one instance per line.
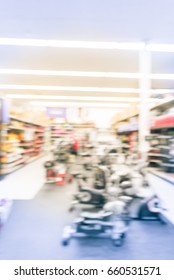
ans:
x=68 y=81
x=68 y=59
x=93 y=20
x=107 y=20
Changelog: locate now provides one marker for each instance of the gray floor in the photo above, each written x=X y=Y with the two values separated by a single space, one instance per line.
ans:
x=34 y=230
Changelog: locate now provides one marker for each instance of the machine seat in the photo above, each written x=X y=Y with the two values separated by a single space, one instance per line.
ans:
x=96 y=216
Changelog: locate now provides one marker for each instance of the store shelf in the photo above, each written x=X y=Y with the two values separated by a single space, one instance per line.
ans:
x=20 y=165
x=26 y=144
x=17 y=128
x=11 y=170
x=26 y=151
x=29 y=138
x=158 y=155
x=40 y=135
x=168 y=164
x=11 y=167
x=12 y=141
x=134 y=112
x=164 y=105
x=12 y=160
x=168 y=177
x=155 y=160
x=161 y=128
x=164 y=147
x=25 y=129
x=25 y=121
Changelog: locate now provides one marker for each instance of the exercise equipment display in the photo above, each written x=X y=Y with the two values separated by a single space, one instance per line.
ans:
x=110 y=194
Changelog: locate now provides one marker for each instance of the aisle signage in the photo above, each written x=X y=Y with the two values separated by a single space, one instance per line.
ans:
x=56 y=112
x=128 y=127
x=4 y=111
x=163 y=121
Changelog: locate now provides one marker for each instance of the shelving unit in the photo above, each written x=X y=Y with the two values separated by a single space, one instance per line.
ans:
x=129 y=140
x=127 y=131
x=59 y=131
x=22 y=142
x=161 y=138
x=161 y=152
x=161 y=155
x=67 y=131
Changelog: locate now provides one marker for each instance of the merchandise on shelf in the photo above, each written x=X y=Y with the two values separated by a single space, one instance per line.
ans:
x=70 y=131
x=161 y=152
x=21 y=143
x=128 y=134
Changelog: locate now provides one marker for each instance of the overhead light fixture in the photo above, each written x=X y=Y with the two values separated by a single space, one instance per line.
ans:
x=70 y=44
x=68 y=88
x=160 y=47
x=81 y=89
x=64 y=97
x=81 y=104
x=162 y=76
x=87 y=74
x=87 y=44
x=161 y=91
x=70 y=73
x=76 y=98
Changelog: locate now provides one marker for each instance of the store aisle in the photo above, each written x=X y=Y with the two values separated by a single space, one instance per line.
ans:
x=35 y=226
x=25 y=182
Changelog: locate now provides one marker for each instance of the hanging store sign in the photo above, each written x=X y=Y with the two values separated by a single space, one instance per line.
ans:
x=4 y=111
x=128 y=127
x=56 y=112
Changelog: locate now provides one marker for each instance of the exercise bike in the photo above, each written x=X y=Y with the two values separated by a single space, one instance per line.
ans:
x=92 y=197
x=95 y=196
x=104 y=188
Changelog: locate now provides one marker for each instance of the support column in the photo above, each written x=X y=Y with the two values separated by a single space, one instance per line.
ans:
x=144 y=112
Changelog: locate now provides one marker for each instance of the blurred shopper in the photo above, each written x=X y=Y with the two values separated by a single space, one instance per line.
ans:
x=75 y=147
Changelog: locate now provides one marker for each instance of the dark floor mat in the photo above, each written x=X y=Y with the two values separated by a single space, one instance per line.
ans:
x=34 y=231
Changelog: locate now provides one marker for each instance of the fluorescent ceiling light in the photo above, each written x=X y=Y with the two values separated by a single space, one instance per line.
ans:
x=65 y=88
x=81 y=104
x=86 y=44
x=160 y=47
x=70 y=44
x=162 y=76
x=84 y=74
x=64 y=97
x=70 y=73
x=161 y=91
x=81 y=89
x=77 y=98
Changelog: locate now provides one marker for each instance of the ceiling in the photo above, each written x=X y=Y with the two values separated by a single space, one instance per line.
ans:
x=93 y=20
